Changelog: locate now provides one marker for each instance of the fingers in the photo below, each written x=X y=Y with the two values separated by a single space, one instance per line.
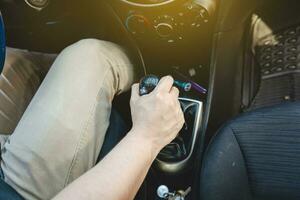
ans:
x=135 y=91
x=179 y=111
x=175 y=92
x=165 y=84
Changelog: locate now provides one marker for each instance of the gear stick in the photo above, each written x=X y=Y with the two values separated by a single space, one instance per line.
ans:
x=149 y=82
x=174 y=157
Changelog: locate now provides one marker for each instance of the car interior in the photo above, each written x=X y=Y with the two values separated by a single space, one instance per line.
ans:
x=242 y=58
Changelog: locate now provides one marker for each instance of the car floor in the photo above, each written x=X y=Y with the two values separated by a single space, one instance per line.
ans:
x=276 y=53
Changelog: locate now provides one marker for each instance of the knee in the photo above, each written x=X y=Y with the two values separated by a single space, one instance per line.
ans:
x=102 y=53
x=93 y=45
x=95 y=49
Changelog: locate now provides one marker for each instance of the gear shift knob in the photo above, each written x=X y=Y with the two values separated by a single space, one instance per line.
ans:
x=149 y=82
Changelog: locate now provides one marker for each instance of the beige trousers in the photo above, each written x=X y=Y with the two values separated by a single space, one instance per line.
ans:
x=62 y=130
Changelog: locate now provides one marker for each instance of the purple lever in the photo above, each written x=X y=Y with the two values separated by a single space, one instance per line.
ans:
x=198 y=87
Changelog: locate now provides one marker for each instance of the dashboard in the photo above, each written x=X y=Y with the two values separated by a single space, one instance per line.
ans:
x=147 y=2
x=167 y=18
x=174 y=36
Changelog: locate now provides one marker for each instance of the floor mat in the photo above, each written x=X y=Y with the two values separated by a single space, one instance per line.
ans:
x=278 y=56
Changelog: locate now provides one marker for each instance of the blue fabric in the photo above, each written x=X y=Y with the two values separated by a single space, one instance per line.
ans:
x=2 y=43
x=7 y=192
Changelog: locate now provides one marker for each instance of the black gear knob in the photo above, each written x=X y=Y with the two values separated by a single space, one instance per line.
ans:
x=148 y=84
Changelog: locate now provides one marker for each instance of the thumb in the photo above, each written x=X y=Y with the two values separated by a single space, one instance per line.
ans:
x=165 y=84
x=135 y=92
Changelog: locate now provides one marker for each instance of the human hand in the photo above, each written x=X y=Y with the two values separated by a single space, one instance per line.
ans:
x=157 y=117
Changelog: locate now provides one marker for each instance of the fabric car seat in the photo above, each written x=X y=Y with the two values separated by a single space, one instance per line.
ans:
x=255 y=157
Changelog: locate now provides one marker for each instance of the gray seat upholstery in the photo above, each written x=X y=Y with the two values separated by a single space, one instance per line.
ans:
x=22 y=75
x=255 y=157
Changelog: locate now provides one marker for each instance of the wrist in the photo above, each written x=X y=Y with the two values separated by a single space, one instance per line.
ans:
x=140 y=138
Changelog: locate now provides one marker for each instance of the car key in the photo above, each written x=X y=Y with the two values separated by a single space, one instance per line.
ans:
x=183 y=194
x=180 y=195
x=163 y=193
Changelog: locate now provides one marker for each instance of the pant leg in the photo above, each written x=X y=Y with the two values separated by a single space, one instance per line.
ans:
x=61 y=133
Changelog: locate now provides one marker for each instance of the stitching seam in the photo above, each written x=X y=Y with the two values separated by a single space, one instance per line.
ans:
x=80 y=142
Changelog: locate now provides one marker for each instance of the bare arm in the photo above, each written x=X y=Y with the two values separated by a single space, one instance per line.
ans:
x=157 y=119
x=118 y=176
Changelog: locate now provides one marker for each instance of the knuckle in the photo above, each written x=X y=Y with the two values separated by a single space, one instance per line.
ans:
x=172 y=104
x=176 y=90
x=180 y=123
x=131 y=104
x=177 y=107
x=180 y=116
x=169 y=77
x=182 y=120
x=159 y=96
x=132 y=100
x=135 y=85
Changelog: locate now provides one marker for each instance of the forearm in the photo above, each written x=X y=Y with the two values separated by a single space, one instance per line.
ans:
x=119 y=175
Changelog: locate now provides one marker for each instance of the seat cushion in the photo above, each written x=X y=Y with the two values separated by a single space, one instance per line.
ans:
x=21 y=77
x=7 y=192
x=255 y=156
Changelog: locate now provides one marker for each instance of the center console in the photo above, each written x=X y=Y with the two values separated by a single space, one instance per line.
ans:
x=174 y=37
x=176 y=156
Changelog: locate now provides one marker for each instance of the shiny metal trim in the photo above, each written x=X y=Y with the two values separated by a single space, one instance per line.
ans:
x=147 y=5
x=178 y=166
x=37 y=7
